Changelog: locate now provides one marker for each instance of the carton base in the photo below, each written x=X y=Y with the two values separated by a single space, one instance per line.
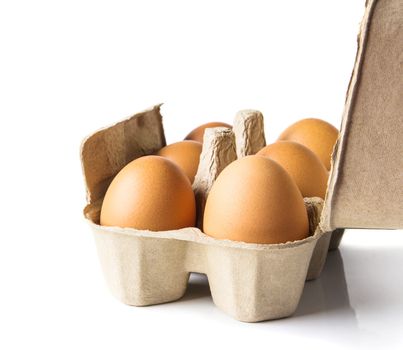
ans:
x=250 y=282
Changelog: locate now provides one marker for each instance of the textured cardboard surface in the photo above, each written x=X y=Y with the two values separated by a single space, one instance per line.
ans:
x=255 y=282
x=366 y=182
x=218 y=151
x=314 y=206
x=250 y=282
x=248 y=127
x=107 y=151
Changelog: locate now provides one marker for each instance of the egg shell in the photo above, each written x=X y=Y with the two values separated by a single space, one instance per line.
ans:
x=316 y=134
x=149 y=193
x=198 y=133
x=302 y=165
x=255 y=200
x=185 y=154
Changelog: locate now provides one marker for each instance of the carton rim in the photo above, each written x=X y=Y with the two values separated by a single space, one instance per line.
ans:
x=194 y=234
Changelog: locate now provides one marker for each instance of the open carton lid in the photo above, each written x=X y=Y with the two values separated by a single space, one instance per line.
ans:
x=366 y=181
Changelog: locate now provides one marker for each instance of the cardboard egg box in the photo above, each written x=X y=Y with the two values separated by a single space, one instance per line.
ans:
x=251 y=282
x=255 y=282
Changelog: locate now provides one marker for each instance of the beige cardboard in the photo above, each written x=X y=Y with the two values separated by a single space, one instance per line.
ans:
x=218 y=151
x=319 y=255
x=251 y=282
x=254 y=282
x=248 y=127
x=366 y=182
x=106 y=152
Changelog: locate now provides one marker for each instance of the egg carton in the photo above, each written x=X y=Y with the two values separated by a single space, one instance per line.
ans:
x=250 y=282
x=255 y=282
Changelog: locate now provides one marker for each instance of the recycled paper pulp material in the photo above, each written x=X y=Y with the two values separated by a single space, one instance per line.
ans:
x=250 y=282
x=218 y=151
x=255 y=282
x=366 y=182
x=107 y=151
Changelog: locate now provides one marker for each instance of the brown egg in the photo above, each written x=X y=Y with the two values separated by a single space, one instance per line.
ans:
x=185 y=154
x=316 y=134
x=198 y=133
x=149 y=193
x=254 y=200
x=302 y=164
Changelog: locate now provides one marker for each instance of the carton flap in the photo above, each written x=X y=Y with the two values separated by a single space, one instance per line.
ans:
x=107 y=151
x=366 y=182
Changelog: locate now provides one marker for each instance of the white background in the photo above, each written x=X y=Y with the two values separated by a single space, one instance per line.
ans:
x=70 y=67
